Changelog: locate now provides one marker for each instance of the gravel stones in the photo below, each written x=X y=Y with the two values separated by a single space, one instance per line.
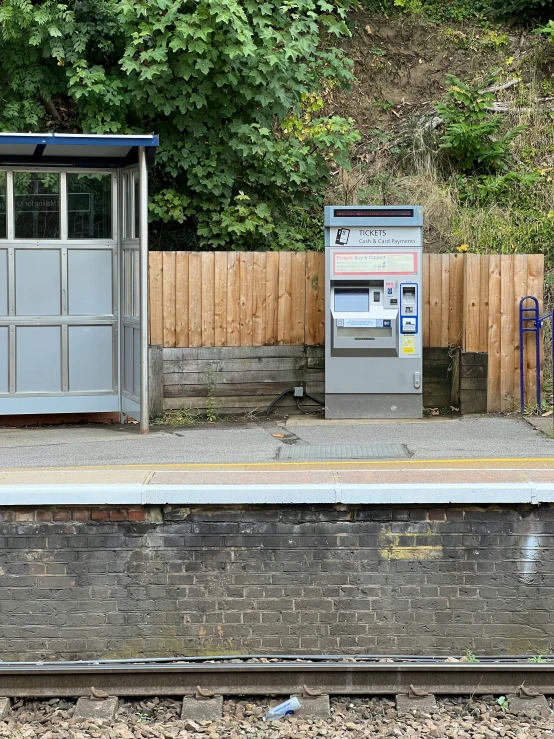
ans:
x=351 y=718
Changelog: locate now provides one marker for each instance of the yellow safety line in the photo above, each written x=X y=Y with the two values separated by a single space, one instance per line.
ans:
x=547 y=461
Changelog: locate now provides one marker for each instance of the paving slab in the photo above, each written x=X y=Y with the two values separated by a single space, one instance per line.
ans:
x=99 y=476
x=105 y=709
x=246 y=476
x=131 y=485
x=276 y=476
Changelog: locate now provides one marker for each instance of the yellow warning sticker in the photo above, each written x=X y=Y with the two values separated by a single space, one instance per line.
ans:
x=408 y=344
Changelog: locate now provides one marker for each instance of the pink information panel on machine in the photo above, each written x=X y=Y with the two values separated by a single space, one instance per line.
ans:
x=372 y=263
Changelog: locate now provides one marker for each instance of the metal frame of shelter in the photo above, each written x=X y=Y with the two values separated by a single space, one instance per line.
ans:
x=74 y=306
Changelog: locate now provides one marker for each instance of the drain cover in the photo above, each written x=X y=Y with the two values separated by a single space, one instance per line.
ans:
x=343 y=451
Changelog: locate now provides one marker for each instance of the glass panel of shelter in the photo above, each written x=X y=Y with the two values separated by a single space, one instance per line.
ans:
x=130 y=220
x=37 y=214
x=130 y=191
x=89 y=206
x=36 y=205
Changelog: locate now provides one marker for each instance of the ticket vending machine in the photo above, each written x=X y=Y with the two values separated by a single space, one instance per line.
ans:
x=373 y=323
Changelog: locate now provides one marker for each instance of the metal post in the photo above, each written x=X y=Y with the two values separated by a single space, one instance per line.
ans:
x=538 y=325
x=522 y=356
x=143 y=263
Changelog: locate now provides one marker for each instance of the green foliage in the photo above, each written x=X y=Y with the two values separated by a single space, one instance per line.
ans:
x=537 y=659
x=381 y=190
x=494 y=39
x=434 y=10
x=177 y=418
x=38 y=43
x=470 y=656
x=512 y=189
x=547 y=31
x=503 y=703
x=463 y=10
x=235 y=89
x=410 y=6
x=523 y=9
x=505 y=213
x=472 y=136
x=502 y=229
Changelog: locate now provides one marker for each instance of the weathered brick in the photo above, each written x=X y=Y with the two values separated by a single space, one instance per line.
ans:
x=80 y=514
x=299 y=578
x=138 y=514
x=99 y=514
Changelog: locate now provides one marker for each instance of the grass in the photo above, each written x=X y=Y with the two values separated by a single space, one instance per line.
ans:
x=177 y=418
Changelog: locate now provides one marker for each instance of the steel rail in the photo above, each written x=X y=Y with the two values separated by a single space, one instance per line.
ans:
x=495 y=658
x=50 y=680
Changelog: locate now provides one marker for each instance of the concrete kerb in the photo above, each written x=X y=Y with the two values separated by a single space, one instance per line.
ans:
x=377 y=494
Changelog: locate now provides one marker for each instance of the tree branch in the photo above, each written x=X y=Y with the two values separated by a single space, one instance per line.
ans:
x=51 y=108
x=503 y=86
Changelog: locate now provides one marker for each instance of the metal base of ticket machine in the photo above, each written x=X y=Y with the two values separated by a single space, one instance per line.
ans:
x=373 y=326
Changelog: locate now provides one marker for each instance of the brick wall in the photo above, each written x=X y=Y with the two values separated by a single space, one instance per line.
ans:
x=111 y=582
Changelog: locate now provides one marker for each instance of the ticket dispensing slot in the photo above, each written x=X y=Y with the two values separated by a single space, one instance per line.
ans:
x=408 y=308
x=359 y=315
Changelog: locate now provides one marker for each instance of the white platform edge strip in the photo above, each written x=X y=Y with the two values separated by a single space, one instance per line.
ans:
x=377 y=494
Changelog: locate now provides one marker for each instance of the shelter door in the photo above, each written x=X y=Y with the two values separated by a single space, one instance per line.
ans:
x=58 y=292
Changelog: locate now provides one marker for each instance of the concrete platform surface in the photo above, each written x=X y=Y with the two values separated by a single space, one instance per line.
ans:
x=472 y=459
x=259 y=443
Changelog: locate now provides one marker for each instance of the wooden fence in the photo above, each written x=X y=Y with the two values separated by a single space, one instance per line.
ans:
x=215 y=299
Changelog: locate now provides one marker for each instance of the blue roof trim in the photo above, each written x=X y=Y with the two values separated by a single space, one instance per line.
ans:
x=79 y=139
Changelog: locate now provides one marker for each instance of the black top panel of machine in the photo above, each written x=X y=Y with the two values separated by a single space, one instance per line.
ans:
x=374 y=213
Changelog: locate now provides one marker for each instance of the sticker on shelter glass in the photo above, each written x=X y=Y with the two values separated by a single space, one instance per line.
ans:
x=36 y=205
x=89 y=206
x=370 y=263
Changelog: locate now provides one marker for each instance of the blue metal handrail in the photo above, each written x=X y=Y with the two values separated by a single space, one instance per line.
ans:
x=531 y=315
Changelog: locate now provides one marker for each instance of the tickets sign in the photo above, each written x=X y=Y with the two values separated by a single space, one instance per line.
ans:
x=375 y=236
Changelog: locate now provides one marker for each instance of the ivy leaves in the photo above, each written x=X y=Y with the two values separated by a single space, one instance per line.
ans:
x=230 y=86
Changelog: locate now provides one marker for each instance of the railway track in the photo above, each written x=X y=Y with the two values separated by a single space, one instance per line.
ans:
x=276 y=675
